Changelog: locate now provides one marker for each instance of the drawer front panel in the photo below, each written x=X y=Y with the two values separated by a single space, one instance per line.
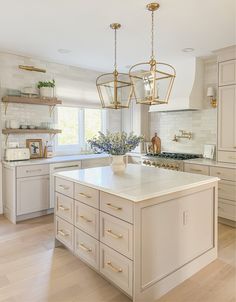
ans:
x=226 y=210
x=87 y=219
x=227 y=190
x=196 y=169
x=87 y=195
x=65 y=187
x=116 y=206
x=117 y=268
x=64 y=207
x=117 y=234
x=223 y=173
x=87 y=248
x=227 y=157
x=65 y=232
x=33 y=170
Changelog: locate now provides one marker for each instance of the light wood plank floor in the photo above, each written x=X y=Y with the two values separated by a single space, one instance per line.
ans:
x=32 y=271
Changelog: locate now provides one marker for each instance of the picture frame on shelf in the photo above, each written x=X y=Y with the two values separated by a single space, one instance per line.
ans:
x=36 y=147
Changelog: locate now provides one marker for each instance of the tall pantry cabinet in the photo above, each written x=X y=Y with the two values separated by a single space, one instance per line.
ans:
x=226 y=151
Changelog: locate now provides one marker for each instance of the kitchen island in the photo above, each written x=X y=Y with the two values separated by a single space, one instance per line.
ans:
x=146 y=230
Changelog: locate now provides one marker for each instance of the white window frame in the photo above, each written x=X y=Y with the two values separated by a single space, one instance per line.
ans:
x=78 y=148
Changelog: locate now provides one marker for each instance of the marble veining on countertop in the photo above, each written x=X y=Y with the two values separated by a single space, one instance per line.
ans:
x=210 y=162
x=138 y=182
x=56 y=159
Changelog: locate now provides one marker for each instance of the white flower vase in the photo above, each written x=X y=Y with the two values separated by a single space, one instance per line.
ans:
x=46 y=92
x=118 y=165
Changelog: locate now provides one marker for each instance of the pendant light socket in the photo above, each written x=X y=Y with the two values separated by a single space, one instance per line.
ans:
x=153 y=6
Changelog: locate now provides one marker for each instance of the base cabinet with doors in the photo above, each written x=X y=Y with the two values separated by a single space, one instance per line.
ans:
x=144 y=260
x=226 y=188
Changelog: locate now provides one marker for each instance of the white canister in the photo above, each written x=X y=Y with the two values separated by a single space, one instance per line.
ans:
x=14 y=124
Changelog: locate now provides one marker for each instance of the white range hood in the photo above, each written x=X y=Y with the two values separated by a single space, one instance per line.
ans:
x=187 y=92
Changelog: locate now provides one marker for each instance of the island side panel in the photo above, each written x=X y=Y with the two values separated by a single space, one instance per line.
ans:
x=175 y=236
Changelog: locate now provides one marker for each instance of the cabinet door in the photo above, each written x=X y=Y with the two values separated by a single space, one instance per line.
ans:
x=227 y=118
x=32 y=194
x=227 y=73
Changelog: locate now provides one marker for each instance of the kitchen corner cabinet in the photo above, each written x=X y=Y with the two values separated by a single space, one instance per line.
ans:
x=25 y=191
x=226 y=147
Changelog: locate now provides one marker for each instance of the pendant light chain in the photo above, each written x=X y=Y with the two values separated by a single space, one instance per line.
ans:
x=115 y=52
x=152 y=36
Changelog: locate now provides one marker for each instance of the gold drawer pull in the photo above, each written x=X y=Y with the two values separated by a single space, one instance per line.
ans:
x=114 y=207
x=85 y=248
x=84 y=218
x=63 y=209
x=218 y=173
x=62 y=233
x=85 y=195
x=113 y=268
x=63 y=187
x=195 y=170
x=109 y=232
x=232 y=157
x=31 y=171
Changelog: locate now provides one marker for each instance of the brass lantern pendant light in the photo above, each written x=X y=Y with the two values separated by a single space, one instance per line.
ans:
x=153 y=81
x=115 y=89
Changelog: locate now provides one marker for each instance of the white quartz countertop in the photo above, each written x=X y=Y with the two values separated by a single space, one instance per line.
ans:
x=138 y=182
x=55 y=159
x=210 y=162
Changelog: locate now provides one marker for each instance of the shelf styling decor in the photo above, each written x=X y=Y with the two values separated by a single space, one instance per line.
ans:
x=152 y=80
x=115 y=89
x=46 y=88
x=117 y=145
x=36 y=147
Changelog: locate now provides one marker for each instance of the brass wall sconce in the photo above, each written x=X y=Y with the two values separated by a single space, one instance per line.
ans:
x=211 y=94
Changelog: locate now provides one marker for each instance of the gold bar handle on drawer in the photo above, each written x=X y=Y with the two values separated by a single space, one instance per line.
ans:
x=113 y=268
x=85 y=248
x=84 y=195
x=63 y=208
x=232 y=157
x=62 y=233
x=114 y=207
x=84 y=218
x=31 y=171
x=195 y=170
x=63 y=187
x=117 y=236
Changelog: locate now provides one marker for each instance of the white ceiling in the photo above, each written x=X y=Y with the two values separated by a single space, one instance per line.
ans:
x=40 y=28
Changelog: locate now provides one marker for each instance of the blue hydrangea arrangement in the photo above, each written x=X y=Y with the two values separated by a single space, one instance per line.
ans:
x=118 y=143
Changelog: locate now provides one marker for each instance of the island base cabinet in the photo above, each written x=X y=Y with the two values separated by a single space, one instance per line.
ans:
x=117 y=268
x=32 y=194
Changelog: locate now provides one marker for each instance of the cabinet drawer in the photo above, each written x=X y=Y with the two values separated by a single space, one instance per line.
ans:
x=223 y=173
x=227 y=190
x=117 y=234
x=87 y=195
x=33 y=170
x=65 y=232
x=226 y=210
x=65 y=187
x=87 y=219
x=65 y=207
x=196 y=169
x=116 y=206
x=227 y=157
x=87 y=248
x=117 y=268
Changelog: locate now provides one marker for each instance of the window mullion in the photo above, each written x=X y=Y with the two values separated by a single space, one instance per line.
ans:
x=81 y=130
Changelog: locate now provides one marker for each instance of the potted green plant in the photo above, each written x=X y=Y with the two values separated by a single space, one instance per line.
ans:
x=117 y=145
x=46 y=88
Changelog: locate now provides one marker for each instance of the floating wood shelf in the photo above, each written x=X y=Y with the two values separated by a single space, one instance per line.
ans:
x=24 y=131
x=31 y=100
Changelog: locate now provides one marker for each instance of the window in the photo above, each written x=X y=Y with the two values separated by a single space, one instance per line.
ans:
x=78 y=125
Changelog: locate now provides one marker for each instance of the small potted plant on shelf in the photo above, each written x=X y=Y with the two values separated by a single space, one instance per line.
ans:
x=46 y=89
x=117 y=145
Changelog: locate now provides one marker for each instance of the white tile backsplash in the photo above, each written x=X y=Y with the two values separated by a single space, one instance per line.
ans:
x=202 y=123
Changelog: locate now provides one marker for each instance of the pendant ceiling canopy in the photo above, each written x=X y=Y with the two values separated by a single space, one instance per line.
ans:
x=115 y=89
x=152 y=81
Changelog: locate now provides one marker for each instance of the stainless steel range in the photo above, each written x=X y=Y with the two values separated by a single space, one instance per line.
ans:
x=167 y=160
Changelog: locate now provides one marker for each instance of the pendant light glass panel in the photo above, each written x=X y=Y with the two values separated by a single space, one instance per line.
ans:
x=152 y=82
x=115 y=90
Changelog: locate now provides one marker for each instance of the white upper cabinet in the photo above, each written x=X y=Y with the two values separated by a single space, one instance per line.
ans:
x=227 y=73
x=227 y=118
